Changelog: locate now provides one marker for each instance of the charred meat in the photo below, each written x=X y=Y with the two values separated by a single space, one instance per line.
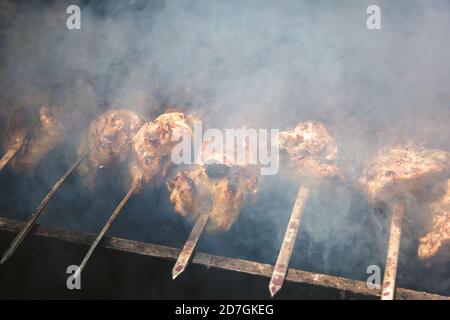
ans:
x=221 y=185
x=193 y=192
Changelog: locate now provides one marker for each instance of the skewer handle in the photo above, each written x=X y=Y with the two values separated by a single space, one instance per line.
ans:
x=135 y=185
x=284 y=256
x=395 y=233
x=32 y=220
x=189 y=246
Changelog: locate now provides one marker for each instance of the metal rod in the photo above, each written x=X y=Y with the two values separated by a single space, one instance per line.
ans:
x=32 y=220
x=7 y=157
x=284 y=256
x=395 y=233
x=111 y=219
x=189 y=246
x=210 y=261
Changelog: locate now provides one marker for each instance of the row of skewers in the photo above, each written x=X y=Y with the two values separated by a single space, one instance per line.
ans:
x=213 y=192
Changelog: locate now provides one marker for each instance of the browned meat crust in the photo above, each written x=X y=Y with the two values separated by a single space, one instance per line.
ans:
x=108 y=142
x=439 y=233
x=221 y=185
x=310 y=150
x=153 y=143
x=223 y=193
x=402 y=168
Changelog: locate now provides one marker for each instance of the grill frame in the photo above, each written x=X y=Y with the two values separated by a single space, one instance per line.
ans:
x=213 y=261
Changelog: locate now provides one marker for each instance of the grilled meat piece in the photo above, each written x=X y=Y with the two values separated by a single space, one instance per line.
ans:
x=310 y=150
x=34 y=137
x=221 y=184
x=108 y=142
x=402 y=168
x=225 y=182
x=227 y=154
x=439 y=235
x=153 y=143
x=224 y=194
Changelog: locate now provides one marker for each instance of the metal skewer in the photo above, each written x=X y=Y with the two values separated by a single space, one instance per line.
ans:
x=189 y=246
x=284 y=256
x=32 y=220
x=7 y=157
x=395 y=233
x=136 y=183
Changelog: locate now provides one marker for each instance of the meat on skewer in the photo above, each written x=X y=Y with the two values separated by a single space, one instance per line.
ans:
x=46 y=138
x=153 y=143
x=150 y=147
x=108 y=142
x=309 y=150
x=221 y=184
x=225 y=189
x=391 y=174
x=227 y=183
x=438 y=236
x=30 y=139
x=213 y=193
x=401 y=169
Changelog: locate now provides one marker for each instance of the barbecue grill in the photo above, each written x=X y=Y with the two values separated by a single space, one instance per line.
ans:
x=300 y=238
x=300 y=284
x=65 y=232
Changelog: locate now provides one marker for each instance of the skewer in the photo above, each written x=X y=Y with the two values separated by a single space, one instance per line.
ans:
x=390 y=272
x=284 y=256
x=111 y=219
x=32 y=220
x=7 y=157
x=189 y=246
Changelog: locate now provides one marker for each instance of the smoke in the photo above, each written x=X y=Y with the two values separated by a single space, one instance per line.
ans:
x=254 y=63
